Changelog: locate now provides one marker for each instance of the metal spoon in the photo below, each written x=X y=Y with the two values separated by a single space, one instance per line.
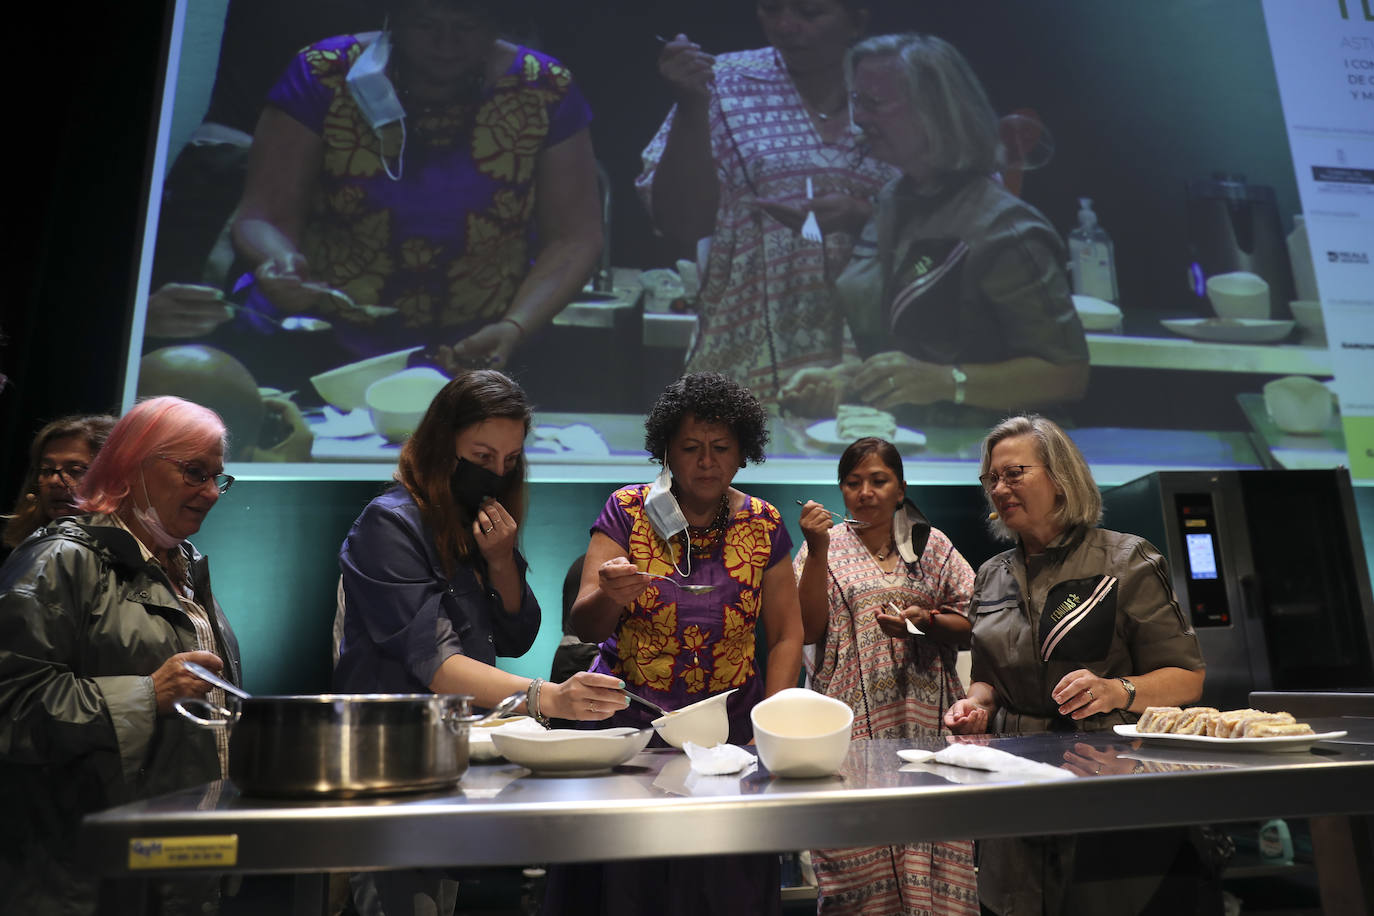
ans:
x=304 y=323
x=839 y=516
x=500 y=709
x=205 y=674
x=371 y=311
x=643 y=702
x=689 y=589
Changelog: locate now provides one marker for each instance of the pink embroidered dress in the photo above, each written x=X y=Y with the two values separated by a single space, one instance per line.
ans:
x=898 y=688
x=765 y=303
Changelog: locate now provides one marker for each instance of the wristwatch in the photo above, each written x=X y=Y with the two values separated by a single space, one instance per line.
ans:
x=960 y=377
x=1130 y=693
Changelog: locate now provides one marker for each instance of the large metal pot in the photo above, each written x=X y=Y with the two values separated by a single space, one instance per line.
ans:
x=341 y=745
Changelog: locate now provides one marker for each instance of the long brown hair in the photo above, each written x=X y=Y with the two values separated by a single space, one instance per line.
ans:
x=28 y=516
x=428 y=460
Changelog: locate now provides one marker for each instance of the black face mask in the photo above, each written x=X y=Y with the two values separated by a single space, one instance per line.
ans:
x=472 y=483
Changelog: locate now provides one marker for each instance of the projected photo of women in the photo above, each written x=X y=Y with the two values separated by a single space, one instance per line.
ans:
x=432 y=186
x=728 y=175
x=869 y=212
x=957 y=294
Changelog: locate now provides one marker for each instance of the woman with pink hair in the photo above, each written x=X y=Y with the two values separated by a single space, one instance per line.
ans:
x=97 y=615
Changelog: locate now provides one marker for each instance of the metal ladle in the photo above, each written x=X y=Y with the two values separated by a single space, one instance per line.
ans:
x=205 y=674
x=689 y=589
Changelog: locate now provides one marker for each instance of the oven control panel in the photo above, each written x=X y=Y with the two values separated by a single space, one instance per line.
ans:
x=1195 y=518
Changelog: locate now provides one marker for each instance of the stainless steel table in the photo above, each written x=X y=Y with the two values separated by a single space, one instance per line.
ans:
x=653 y=806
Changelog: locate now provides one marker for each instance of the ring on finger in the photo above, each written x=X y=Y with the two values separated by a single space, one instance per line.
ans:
x=489 y=529
x=1091 y=698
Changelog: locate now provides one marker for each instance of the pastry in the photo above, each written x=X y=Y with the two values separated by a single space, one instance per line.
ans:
x=1158 y=719
x=1232 y=724
x=1276 y=729
x=856 y=421
x=1194 y=719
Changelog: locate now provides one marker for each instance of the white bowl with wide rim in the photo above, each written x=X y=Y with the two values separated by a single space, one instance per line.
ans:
x=704 y=722
x=571 y=751
x=346 y=387
x=802 y=734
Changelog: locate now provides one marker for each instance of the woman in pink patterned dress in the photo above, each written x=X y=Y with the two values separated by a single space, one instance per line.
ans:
x=727 y=172
x=861 y=585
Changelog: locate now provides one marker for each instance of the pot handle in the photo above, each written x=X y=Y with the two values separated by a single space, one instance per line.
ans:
x=181 y=706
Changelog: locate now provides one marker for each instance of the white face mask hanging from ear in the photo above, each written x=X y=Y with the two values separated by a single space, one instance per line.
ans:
x=371 y=88
x=666 y=518
x=151 y=521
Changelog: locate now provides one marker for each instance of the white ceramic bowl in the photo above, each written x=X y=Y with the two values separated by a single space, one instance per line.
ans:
x=1298 y=404
x=1239 y=294
x=571 y=751
x=801 y=733
x=1098 y=315
x=346 y=386
x=704 y=722
x=398 y=402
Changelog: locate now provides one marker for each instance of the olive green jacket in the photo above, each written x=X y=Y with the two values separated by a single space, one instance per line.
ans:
x=84 y=622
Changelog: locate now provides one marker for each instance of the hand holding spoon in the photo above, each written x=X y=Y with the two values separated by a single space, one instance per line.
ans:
x=689 y=589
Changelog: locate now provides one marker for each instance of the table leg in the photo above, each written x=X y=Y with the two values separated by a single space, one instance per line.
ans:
x=1341 y=847
x=310 y=895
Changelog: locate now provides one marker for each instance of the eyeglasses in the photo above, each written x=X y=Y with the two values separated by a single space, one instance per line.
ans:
x=1012 y=475
x=859 y=101
x=70 y=475
x=193 y=475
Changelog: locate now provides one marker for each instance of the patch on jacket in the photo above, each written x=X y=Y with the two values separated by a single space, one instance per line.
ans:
x=1078 y=619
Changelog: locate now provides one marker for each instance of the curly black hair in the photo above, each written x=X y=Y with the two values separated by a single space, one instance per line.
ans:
x=711 y=398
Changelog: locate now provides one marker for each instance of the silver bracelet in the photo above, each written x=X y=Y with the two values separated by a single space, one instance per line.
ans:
x=532 y=702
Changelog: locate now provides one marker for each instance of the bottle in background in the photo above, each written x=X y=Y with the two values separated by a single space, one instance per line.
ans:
x=1276 y=843
x=1092 y=258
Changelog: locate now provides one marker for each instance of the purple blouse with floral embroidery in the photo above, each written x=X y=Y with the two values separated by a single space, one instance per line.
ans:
x=674 y=648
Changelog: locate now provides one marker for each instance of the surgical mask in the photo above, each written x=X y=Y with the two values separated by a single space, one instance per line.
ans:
x=152 y=522
x=471 y=484
x=665 y=515
x=376 y=98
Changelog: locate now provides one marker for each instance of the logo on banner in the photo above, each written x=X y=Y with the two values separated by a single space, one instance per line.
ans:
x=1366 y=5
x=1348 y=257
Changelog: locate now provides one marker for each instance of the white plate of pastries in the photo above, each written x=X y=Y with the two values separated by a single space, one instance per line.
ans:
x=855 y=421
x=1206 y=726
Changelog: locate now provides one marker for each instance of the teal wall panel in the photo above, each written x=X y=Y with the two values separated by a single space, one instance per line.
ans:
x=273 y=550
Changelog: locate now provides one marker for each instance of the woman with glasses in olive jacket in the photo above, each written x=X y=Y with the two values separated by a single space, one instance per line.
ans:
x=1075 y=629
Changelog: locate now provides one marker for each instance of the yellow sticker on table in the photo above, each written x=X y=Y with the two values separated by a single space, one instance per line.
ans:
x=183 y=852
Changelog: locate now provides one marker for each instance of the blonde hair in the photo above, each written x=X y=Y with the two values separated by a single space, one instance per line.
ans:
x=1079 y=501
x=946 y=99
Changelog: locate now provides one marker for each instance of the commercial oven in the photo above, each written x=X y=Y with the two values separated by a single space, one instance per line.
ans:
x=1270 y=569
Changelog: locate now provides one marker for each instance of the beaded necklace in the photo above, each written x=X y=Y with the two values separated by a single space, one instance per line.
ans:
x=703 y=538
